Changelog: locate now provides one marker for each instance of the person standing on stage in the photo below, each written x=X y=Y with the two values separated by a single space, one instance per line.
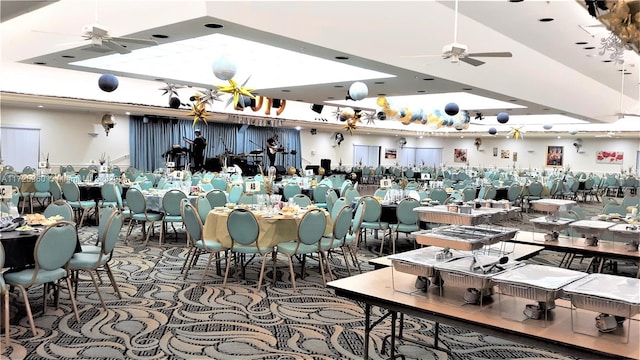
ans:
x=272 y=149
x=198 y=146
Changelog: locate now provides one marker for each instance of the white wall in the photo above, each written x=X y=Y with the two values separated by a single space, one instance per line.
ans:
x=531 y=151
x=65 y=135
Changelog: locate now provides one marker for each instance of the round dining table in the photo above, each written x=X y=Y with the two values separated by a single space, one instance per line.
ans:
x=274 y=228
x=19 y=246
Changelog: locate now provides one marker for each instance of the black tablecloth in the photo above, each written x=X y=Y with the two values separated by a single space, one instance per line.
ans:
x=18 y=248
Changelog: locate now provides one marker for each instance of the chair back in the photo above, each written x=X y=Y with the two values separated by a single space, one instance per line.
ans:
x=311 y=227
x=219 y=183
x=56 y=190
x=535 y=188
x=342 y=224
x=320 y=193
x=290 y=190
x=61 y=208
x=614 y=209
x=171 y=202
x=351 y=194
x=192 y=220
x=235 y=193
x=337 y=206
x=468 y=193
x=42 y=183
x=71 y=191
x=28 y=170
x=405 y=213
x=630 y=201
x=217 y=198
x=243 y=227
x=439 y=195
x=588 y=184
x=83 y=172
x=112 y=231
x=136 y=201
x=332 y=197
x=373 y=209
x=108 y=192
x=55 y=246
x=301 y=200
x=358 y=217
x=491 y=193
x=381 y=193
x=514 y=192
x=203 y=206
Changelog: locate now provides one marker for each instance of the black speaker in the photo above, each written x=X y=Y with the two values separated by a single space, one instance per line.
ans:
x=280 y=171
x=326 y=165
x=212 y=164
x=317 y=108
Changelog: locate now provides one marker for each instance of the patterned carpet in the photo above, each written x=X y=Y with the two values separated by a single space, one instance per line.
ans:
x=163 y=317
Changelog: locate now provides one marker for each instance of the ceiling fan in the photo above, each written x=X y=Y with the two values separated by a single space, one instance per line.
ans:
x=610 y=134
x=459 y=52
x=96 y=35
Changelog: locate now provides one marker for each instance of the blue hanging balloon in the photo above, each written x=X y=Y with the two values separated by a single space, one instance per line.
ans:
x=108 y=82
x=493 y=131
x=174 y=102
x=503 y=117
x=451 y=109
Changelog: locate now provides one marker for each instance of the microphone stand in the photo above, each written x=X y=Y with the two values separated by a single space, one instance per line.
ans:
x=226 y=150
x=261 y=147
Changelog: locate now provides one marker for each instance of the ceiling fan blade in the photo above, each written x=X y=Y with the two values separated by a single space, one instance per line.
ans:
x=135 y=41
x=471 y=61
x=116 y=47
x=491 y=54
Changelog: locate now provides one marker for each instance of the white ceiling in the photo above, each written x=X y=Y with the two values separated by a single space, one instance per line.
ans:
x=549 y=74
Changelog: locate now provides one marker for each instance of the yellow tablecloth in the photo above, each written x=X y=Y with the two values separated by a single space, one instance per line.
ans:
x=273 y=230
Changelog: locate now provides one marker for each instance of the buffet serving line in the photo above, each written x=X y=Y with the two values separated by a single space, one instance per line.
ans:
x=465 y=277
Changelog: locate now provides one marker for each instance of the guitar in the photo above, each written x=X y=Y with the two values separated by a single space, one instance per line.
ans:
x=274 y=148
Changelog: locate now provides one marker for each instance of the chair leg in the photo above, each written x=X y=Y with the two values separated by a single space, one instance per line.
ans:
x=264 y=262
x=226 y=271
x=95 y=285
x=113 y=280
x=27 y=305
x=5 y=294
x=346 y=261
x=73 y=298
x=149 y=233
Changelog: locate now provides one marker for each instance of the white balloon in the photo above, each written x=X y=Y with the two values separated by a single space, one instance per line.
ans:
x=358 y=90
x=223 y=68
x=547 y=126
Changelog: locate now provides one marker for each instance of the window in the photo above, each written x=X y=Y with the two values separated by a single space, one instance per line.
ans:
x=20 y=146
x=421 y=157
x=367 y=155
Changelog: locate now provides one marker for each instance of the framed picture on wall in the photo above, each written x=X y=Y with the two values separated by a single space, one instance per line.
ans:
x=495 y=151
x=390 y=153
x=504 y=154
x=609 y=157
x=555 y=156
x=515 y=156
x=460 y=155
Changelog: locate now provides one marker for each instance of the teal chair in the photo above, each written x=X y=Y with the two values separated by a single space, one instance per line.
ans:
x=217 y=198
x=56 y=190
x=105 y=214
x=84 y=174
x=468 y=193
x=202 y=205
x=138 y=207
x=59 y=208
x=172 y=211
x=235 y=193
x=320 y=195
x=198 y=245
x=407 y=221
x=310 y=231
x=439 y=195
x=82 y=208
x=91 y=263
x=42 y=186
x=332 y=197
x=535 y=193
x=351 y=195
x=614 y=209
x=371 y=220
x=206 y=187
x=301 y=200
x=243 y=229
x=109 y=196
x=53 y=250
x=381 y=193
x=350 y=243
x=337 y=207
x=290 y=190
x=513 y=194
x=4 y=293
x=335 y=240
x=219 y=183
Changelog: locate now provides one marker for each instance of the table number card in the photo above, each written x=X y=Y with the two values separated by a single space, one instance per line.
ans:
x=308 y=172
x=253 y=186
x=6 y=192
x=425 y=176
x=385 y=183
x=42 y=164
x=171 y=164
x=104 y=168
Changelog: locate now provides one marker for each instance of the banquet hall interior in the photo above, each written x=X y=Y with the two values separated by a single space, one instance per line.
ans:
x=103 y=102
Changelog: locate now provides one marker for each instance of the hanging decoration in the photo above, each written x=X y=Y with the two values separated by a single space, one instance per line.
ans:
x=370 y=117
x=516 y=133
x=272 y=103
x=358 y=91
x=336 y=113
x=434 y=119
x=198 y=110
x=502 y=117
x=477 y=142
x=223 y=68
x=171 y=89
x=108 y=82
x=493 y=131
x=209 y=96
x=236 y=90
x=547 y=126
x=451 y=109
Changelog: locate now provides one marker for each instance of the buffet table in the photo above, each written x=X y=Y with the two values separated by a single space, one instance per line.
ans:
x=375 y=289
x=445 y=214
